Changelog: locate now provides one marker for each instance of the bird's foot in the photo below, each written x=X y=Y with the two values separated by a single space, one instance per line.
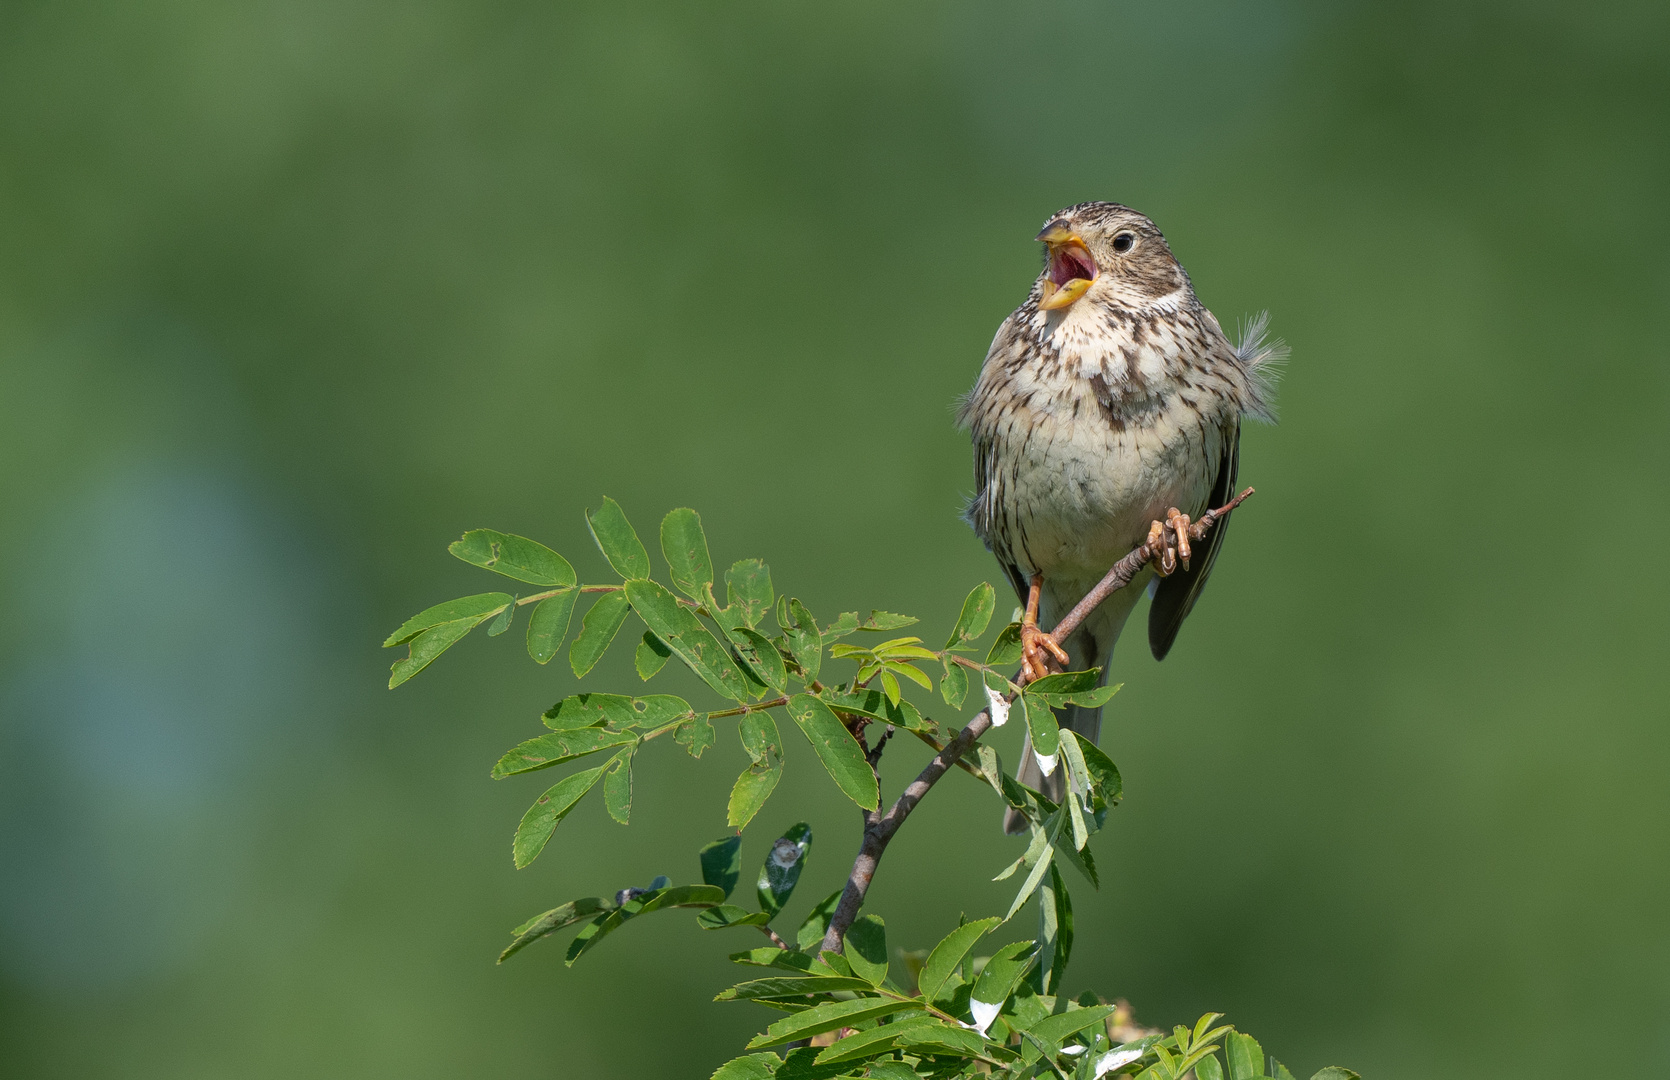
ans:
x=1040 y=652
x=1168 y=542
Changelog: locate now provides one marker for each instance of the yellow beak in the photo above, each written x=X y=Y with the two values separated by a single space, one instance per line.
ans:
x=1064 y=279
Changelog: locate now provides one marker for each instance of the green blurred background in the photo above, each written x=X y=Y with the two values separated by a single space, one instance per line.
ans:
x=293 y=293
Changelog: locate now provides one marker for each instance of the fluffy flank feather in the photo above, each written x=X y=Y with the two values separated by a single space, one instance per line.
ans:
x=1262 y=359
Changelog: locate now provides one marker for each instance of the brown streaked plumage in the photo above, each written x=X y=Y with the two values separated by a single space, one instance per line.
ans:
x=1108 y=399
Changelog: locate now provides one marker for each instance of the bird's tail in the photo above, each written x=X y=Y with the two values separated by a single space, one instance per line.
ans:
x=1085 y=651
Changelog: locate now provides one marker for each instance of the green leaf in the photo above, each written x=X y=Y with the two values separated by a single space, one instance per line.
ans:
x=658 y=710
x=781 y=870
x=828 y=1017
x=1003 y=972
x=1104 y=777
x=1279 y=1071
x=975 y=617
x=759 y=735
x=472 y=609
x=590 y=710
x=557 y=748
x=890 y=686
x=658 y=898
x=844 y=624
x=866 y=948
x=786 y=959
x=801 y=1064
x=597 y=630
x=876 y=1040
x=617 y=540
x=617 y=785
x=1335 y=1072
x=874 y=704
x=752 y=1067
x=1073 y=688
x=1056 y=1030
x=685 y=547
x=816 y=923
x=1040 y=721
x=800 y=633
x=762 y=657
x=722 y=863
x=954 y=686
x=791 y=986
x=1039 y=857
x=551 y=921
x=727 y=915
x=751 y=791
x=1207 y=1068
x=547 y=813
x=548 y=624
x=689 y=640
x=1245 y=1056
x=1006 y=649
x=427 y=646
x=651 y=656
x=695 y=735
x=502 y=623
x=945 y=1039
x=1079 y=787
x=837 y=749
x=748 y=590
x=514 y=557
x=886 y=620
x=1055 y=932
x=949 y=954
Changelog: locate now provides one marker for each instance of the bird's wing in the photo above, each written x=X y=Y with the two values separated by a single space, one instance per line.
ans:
x=1174 y=596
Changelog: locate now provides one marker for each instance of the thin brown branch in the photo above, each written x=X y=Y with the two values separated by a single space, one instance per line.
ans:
x=775 y=940
x=880 y=826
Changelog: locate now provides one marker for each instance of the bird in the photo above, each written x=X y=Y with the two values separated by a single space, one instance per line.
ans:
x=1108 y=411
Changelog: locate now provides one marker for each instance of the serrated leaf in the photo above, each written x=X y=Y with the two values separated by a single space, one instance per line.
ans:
x=556 y=919
x=618 y=540
x=688 y=639
x=816 y=924
x=617 y=785
x=557 y=748
x=874 y=704
x=748 y=590
x=728 y=915
x=684 y=545
x=800 y=633
x=1335 y=1072
x=890 y=686
x=1006 y=649
x=788 y=960
x=1278 y=1071
x=762 y=657
x=879 y=621
x=465 y=608
x=911 y=672
x=1245 y=1057
x=750 y=792
x=548 y=624
x=976 y=615
x=750 y=1067
x=502 y=623
x=1056 y=1030
x=651 y=656
x=590 y=710
x=1207 y=1068
x=953 y=687
x=514 y=557
x=872 y=1041
x=1040 y=722
x=1055 y=932
x=547 y=813
x=949 y=954
x=839 y=752
x=428 y=645
x=759 y=735
x=844 y=624
x=1004 y=971
x=722 y=863
x=829 y=1017
x=658 y=710
x=866 y=948
x=597 y=630
x=695 y=735
x=790 y=986
x=781 y=869
x=1104 y=776
x=1039 y=856
x=945 y=1039
x=657 y=899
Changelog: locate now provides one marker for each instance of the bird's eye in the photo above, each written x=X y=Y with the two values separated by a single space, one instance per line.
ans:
x=1124 y=242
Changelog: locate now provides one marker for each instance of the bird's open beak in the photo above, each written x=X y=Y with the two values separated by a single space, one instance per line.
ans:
x=1071 y=268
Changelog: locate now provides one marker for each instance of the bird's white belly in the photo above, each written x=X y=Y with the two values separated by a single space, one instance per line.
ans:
x=1084 y=490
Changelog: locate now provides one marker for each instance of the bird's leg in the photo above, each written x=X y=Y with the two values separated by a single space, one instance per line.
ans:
x=1038 y=649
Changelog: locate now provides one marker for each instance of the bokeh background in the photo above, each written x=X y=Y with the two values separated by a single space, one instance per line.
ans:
x=293 y=293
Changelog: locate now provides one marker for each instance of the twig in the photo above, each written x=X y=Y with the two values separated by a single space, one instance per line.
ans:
x=880 y=826
x=775 y=940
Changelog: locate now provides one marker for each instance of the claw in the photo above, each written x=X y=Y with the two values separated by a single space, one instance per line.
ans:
x=1178 y=523
x=1158 y=547
x=1037 y=647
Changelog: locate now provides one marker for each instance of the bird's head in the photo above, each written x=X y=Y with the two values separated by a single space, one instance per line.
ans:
x=1106 y=250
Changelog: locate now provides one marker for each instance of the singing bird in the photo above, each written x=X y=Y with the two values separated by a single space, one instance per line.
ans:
x=1110 y=400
